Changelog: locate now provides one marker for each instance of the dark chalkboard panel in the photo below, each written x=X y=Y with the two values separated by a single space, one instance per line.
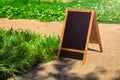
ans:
x=76 y=30
x=76 y=34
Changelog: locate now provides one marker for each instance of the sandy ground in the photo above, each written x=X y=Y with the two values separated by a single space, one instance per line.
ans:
x=99 y=66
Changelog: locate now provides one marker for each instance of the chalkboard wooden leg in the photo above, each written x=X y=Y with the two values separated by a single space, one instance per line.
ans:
x=58 y=55
x=84 y=57
x=101 y=47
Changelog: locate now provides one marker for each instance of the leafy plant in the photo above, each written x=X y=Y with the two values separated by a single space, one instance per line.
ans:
x=22 y=50
x=107 y=10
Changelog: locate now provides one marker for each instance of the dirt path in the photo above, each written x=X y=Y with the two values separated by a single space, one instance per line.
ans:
x=99 y=66
x=48 y=28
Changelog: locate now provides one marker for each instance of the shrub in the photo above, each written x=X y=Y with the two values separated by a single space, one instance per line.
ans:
x=22 y=50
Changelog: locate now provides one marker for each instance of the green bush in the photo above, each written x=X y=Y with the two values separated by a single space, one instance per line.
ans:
x=108 y=11
x=22 y=50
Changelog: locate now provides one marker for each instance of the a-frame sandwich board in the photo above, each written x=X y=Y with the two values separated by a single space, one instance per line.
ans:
x=80 y=28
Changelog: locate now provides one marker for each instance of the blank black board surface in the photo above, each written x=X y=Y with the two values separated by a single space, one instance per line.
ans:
x=76 y=30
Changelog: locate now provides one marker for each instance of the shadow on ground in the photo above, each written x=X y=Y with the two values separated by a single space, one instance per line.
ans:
x=64 y=75
x=62 y=68
x=61 y=73
x=59 y=70
x=118 y=75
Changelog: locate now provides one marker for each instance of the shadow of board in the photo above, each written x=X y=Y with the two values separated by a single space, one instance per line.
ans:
x=90 y=49
x=74 y=55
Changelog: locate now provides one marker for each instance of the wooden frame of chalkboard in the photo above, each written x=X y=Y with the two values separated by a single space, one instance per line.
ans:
x=80 y=28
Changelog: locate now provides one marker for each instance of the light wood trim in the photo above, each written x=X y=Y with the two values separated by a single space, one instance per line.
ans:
x=78 y=10
x=84 y=57
x=89 y=29
x=88 y=36
x=72 y=50
x=97 y=32
x=62 y=35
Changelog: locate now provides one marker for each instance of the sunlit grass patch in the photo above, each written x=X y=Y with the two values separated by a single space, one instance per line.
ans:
x=108 y=11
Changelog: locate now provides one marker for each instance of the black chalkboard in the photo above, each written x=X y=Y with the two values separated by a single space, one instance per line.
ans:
x=76 y=30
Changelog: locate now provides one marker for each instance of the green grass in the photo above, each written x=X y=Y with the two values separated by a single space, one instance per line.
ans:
x=22 y=50
x=108 y=11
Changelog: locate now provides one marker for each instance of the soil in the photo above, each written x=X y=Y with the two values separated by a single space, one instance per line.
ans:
x=98 y=66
